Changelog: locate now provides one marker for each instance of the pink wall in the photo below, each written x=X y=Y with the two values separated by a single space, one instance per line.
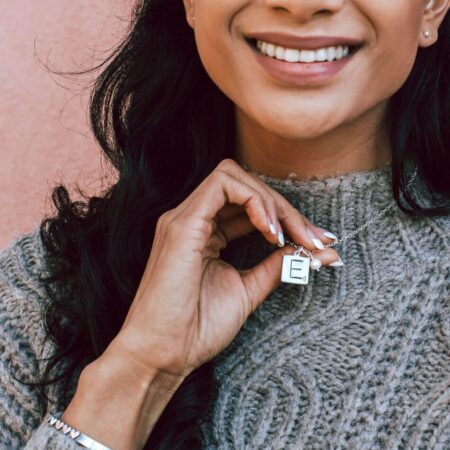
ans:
x=44 y=133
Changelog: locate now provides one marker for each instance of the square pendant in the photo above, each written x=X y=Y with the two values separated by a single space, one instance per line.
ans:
x=295 y=269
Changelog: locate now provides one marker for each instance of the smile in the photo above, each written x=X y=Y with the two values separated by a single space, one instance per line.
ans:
x=293 y=55
x=302 y=61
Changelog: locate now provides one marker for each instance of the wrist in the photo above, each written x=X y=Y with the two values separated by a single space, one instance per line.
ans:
x=112 y=390
x=126 y=371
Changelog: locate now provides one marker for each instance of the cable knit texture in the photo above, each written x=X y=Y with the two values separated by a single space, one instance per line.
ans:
x=357 y=359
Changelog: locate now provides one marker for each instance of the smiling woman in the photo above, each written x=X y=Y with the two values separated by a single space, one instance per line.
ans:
x=178 y=313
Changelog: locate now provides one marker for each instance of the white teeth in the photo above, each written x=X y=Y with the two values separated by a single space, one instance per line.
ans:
x=279 y=52
x=321 y=55
x=307 y=56
x=291 y=55
x=270 y=50
x=331 y=51
x=303 y=56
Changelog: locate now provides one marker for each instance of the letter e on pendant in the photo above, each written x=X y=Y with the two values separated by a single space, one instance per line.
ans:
x=295 y=269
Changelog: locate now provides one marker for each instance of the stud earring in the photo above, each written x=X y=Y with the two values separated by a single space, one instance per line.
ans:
x=426 y=34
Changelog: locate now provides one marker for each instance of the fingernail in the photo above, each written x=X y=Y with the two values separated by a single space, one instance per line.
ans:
x=281 y=240
x=272 y=228
x=330 y=235
x=317 y=243
x=338 y=263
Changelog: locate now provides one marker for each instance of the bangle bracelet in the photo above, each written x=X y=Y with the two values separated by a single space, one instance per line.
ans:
x=76 y=435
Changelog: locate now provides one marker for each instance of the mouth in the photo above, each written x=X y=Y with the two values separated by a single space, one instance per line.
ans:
x=303 y=55
x=303 y=61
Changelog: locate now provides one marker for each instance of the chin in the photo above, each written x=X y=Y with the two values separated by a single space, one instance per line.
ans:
x=300 y=129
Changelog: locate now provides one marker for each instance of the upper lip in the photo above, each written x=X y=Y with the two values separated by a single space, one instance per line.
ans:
x=304 y=42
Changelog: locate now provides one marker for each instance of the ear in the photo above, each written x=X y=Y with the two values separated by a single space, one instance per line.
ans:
x=189 y=8
x=434 y=13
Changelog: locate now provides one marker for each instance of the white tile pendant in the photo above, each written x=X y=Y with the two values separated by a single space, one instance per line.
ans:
x=295 y=269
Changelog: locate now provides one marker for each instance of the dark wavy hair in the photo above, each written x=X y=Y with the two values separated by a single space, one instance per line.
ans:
x=164 y=126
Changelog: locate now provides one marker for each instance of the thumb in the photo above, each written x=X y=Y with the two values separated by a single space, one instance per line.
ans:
x=262 y=279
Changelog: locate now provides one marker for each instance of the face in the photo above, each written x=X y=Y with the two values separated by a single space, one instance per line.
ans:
x=307 y=98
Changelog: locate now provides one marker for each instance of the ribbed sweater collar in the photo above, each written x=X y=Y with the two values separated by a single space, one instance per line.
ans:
x=338 y=203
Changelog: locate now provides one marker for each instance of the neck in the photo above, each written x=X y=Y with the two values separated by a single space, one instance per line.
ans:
x=362 y=144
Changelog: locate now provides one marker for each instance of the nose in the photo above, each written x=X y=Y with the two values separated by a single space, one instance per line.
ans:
x=305 y=10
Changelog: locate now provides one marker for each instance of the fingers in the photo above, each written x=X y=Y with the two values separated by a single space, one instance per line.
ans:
x=229 y=190
x=229 y=211
x=324 y=235
x=241 y=226
x=327 y=257
x=236 y=227
x=285 y=217
x=220 y=189
x=302 y=230
x=261 y=280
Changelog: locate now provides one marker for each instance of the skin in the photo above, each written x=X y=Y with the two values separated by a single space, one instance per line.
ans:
x=324 y=130
x=190 y=304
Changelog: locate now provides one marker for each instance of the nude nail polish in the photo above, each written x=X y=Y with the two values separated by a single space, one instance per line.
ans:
x=272 y=228
x=330 y=235
x=317 y=242
x=338 y=263
x=281 y=241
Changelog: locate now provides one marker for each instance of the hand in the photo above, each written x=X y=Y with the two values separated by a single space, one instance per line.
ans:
x=190 y=304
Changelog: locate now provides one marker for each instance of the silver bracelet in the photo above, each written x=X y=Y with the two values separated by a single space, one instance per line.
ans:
x=74 y=434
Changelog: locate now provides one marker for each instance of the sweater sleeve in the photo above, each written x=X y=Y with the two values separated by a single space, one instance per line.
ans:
x=22 y=421
x=22 y=424
x=46 y=437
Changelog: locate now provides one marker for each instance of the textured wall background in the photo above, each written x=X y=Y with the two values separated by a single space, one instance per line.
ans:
x=44 y=132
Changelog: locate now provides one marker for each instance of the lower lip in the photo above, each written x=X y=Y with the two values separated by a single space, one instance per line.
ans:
x=302 y=74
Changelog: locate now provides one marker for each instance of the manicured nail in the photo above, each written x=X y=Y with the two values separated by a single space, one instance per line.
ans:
x=338 y=263
x=281 y=240
x=330 y=235
x=272 y=228
x=317 y=243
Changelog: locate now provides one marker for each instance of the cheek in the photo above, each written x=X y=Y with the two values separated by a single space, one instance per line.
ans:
x=394 y=44
x=213 y=31
x=215 y=55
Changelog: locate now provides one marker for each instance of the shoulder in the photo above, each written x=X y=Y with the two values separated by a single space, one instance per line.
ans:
x=23 y=345
x=22 y=336
x=23 y=261
x=22 y=296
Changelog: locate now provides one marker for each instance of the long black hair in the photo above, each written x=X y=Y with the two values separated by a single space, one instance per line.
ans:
x=164 y=125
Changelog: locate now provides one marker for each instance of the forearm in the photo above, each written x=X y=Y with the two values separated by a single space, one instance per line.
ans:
x=118 y=404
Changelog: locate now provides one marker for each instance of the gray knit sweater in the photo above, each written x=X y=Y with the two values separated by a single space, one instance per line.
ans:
x=357 y=359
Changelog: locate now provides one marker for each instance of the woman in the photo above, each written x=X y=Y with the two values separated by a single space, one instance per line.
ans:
x=244 y=133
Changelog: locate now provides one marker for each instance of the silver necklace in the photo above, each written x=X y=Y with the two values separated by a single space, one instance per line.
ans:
x=296 y=268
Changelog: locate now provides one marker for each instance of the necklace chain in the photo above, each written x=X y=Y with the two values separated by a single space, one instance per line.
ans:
x=358 y=230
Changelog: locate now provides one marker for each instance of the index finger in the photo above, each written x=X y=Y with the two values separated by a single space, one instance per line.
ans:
x=290 y=219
